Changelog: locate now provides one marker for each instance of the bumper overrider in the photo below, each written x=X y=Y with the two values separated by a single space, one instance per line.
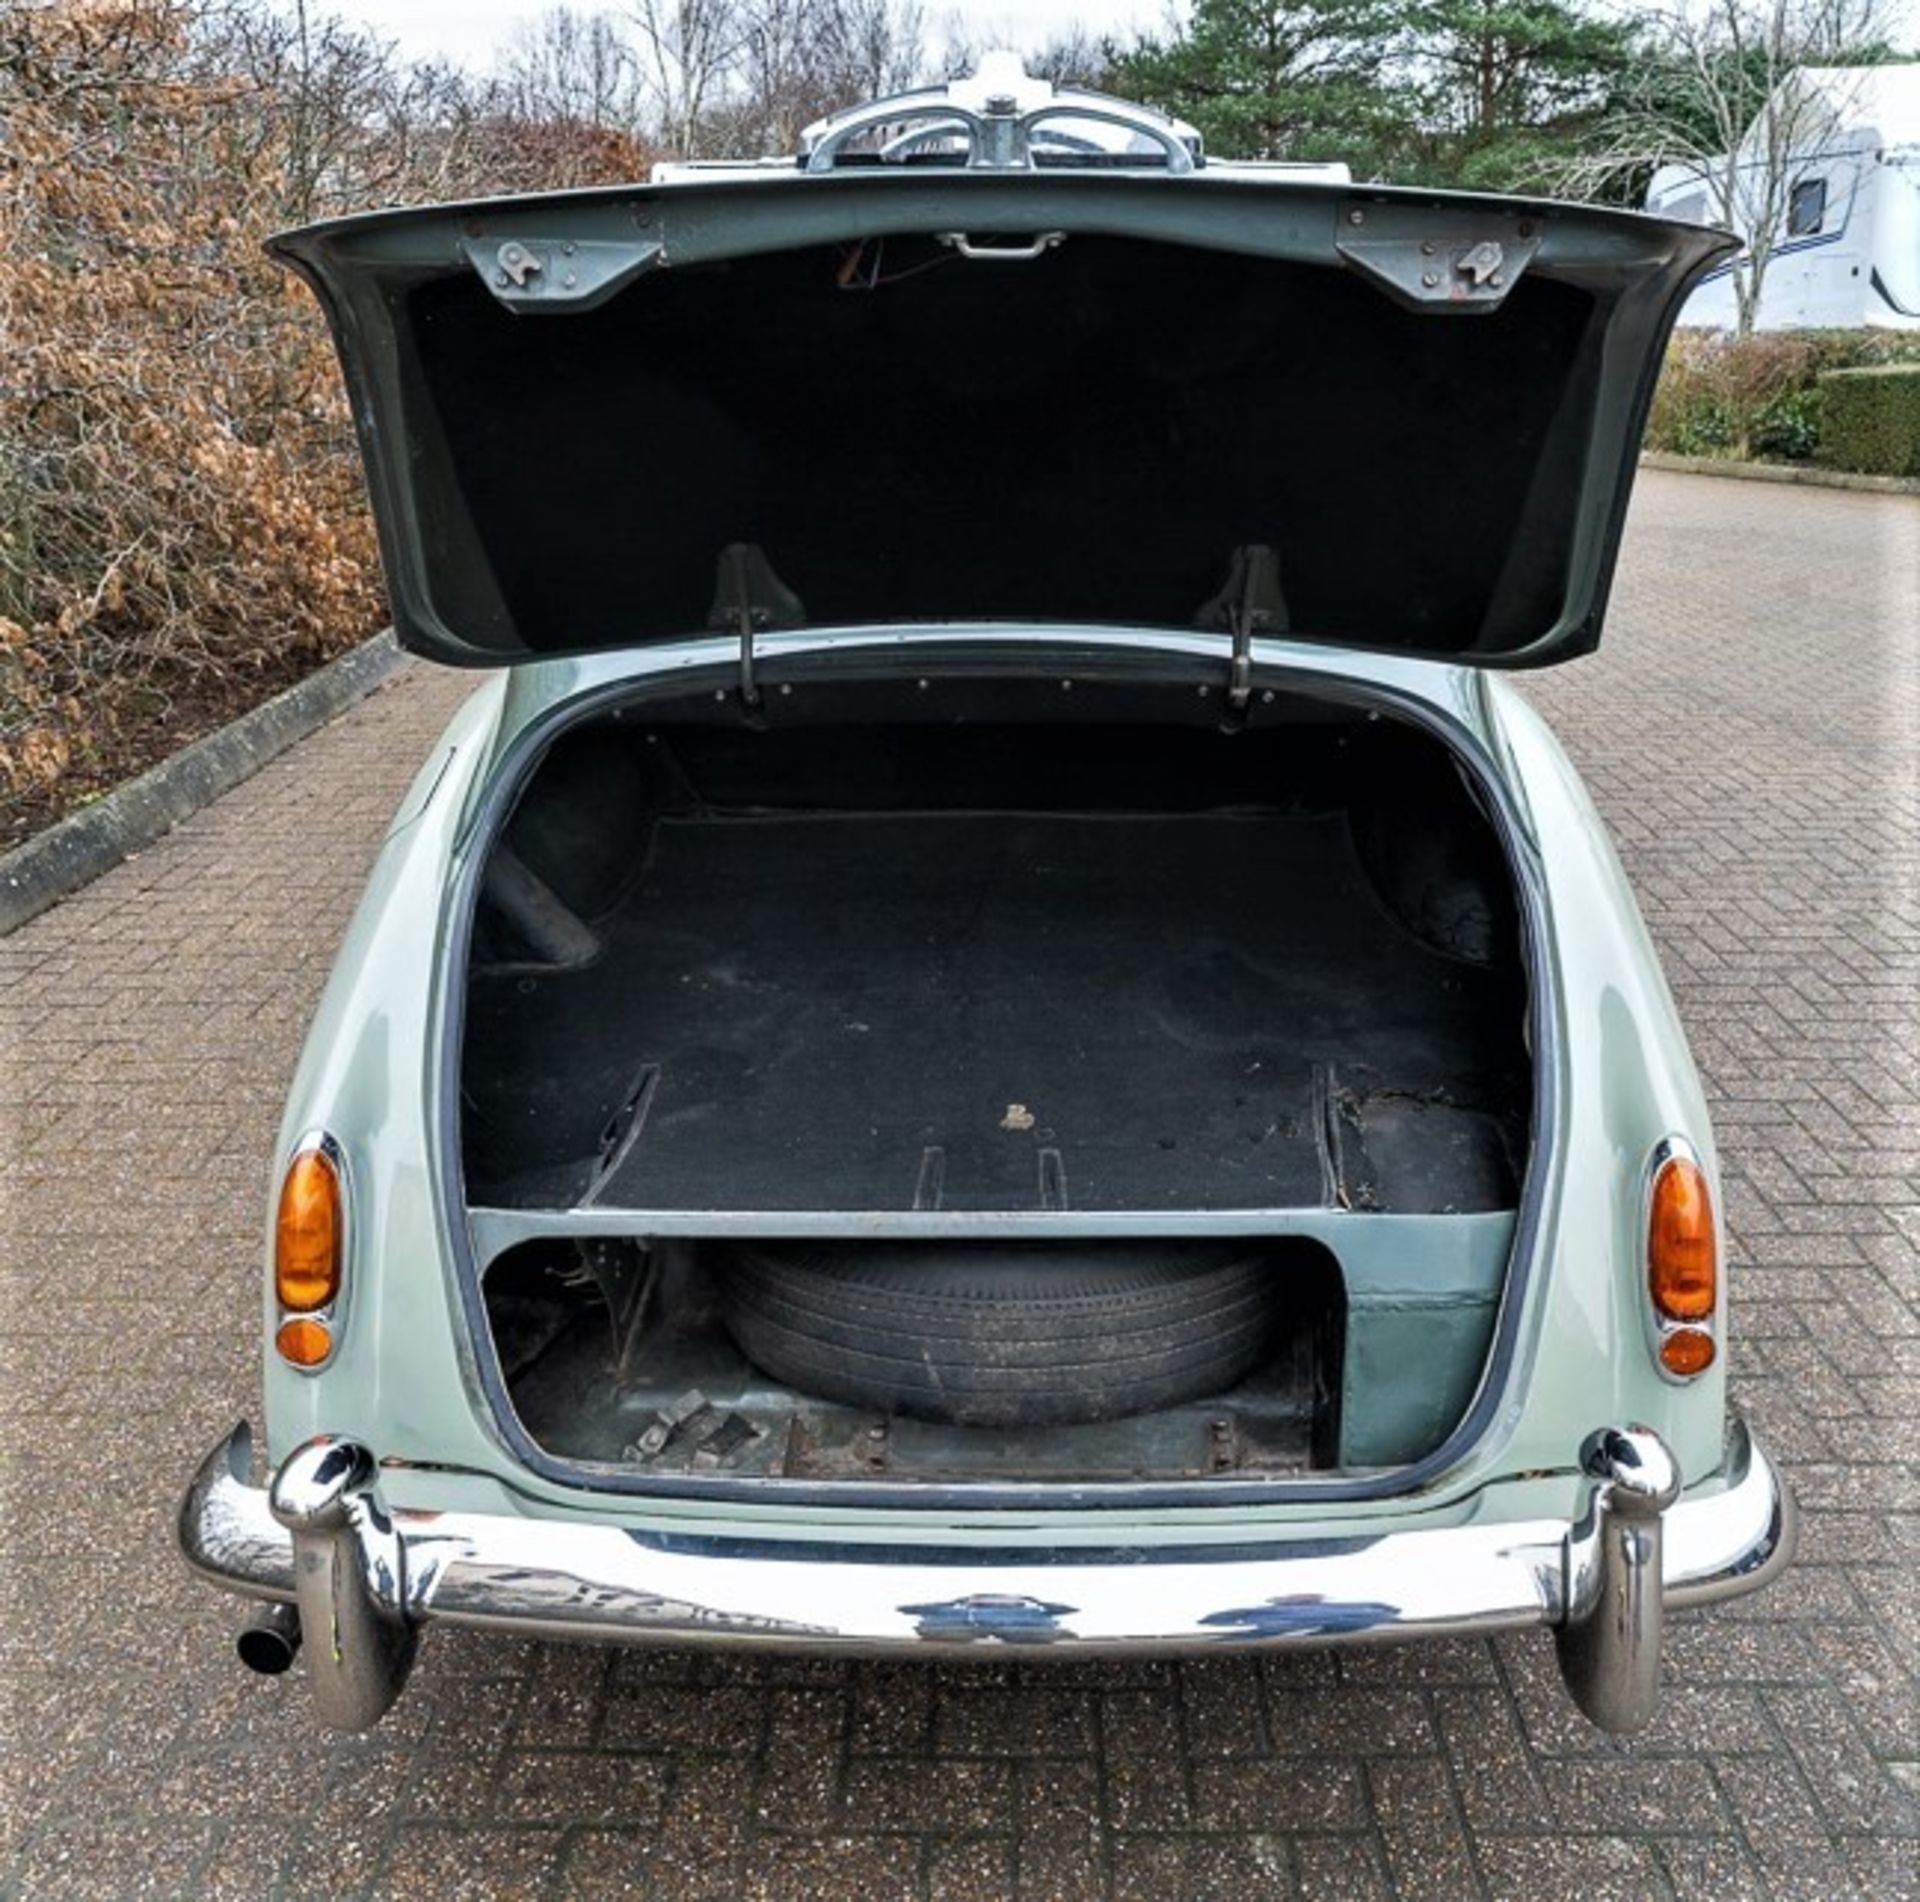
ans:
x=362 y=1580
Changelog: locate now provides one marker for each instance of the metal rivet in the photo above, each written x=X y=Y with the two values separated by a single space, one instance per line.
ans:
x=785 y=690
x=1428 y=248
x=1430 y=278
x=500 y=277
x=1204 y=691
x=570 y=280
x=569 y=249
x=1497 y=281
x=720 y=693
x=923 y=685
x=1356 y=217
x=1266 y=699
x=1066 y=686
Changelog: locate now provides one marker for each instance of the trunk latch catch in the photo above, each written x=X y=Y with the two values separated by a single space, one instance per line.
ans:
x=1449 y=260
x=556 y=274
x=747 y=597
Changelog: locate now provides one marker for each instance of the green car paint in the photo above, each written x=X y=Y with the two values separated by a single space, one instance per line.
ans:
x=1585 y=297
x=405 y=1374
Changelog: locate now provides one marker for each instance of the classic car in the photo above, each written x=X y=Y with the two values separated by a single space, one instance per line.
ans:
x=995 y=1028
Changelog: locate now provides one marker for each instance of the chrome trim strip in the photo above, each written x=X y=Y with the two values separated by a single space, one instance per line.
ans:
x=366 y=1580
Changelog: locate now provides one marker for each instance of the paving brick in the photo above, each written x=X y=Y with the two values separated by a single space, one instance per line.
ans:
x=1715 y=1870
x=1027 y=1722
x=579 y=1786
x=928 y=1795
x=1058 y=1847
x=1749 y=732
x=798 y=1869
x=1292 y=1793
x=1222 y=1708
x=969 y=1869
x=1596 y=1868
x=801 y=1771
x=1341 y=1869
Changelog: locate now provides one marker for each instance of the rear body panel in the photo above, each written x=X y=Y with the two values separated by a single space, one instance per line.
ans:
x=380 y=1060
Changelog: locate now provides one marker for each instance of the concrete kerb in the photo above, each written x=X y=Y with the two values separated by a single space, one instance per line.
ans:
x=1803 y=474
x=57 y=862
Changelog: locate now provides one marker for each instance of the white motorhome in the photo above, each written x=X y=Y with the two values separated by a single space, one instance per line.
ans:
x=1849 y=254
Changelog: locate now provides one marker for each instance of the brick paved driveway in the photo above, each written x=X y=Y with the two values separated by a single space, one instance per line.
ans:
x=1752 y=731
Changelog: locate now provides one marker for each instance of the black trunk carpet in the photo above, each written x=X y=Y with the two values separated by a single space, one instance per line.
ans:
x=999 y=1012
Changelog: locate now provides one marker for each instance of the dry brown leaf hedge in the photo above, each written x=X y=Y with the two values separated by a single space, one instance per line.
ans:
x=182 y=525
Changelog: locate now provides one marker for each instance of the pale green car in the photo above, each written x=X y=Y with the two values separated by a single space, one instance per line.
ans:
x=996 y=1032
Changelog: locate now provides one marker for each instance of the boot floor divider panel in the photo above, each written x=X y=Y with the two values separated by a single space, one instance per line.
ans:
x=998 y=1012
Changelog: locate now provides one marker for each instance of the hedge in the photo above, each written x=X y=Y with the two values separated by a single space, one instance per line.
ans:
x=1870 y=419
x=1761 y=396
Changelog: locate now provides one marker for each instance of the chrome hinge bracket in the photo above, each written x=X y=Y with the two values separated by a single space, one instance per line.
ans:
x=556 y=274
x=749 y=596
x=1445 y=259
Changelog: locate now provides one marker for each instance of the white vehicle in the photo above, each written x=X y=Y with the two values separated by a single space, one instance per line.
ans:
x=1849 y=253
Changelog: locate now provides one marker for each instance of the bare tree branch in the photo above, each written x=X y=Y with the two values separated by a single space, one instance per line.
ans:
x=1739 y=93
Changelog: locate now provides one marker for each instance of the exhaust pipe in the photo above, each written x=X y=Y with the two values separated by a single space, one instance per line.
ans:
x=270 y=1639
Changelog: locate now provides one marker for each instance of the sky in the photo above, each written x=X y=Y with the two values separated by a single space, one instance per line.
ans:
x=468 y=31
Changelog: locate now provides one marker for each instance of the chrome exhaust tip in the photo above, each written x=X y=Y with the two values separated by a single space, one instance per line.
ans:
x=270 y=1639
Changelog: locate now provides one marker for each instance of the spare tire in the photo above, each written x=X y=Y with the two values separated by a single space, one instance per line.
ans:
x=1001 y=1334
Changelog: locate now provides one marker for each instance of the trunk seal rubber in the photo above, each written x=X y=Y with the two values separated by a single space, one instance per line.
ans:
x=507 y=778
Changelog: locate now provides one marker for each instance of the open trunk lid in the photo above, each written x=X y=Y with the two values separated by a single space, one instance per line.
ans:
x=1138 y=392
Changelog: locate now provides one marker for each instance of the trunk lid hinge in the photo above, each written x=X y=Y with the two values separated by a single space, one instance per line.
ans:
x=747 y=597
x=1250 y=603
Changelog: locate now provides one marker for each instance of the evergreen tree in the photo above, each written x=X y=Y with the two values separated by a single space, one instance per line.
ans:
x=1504 y=85
x=1298 y=79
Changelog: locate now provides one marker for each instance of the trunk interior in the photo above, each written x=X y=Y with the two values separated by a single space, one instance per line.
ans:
x=961 y=960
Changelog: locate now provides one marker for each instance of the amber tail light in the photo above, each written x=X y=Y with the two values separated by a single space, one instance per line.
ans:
x=1683 y=1266
x=308 y=1250
x=304 y=1341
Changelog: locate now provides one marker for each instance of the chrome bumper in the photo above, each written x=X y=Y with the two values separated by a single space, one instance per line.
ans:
x=366 y=1579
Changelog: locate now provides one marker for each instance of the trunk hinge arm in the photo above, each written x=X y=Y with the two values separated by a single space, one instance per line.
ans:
x=749 y=687
x=1250 y=603
x=1240 y=668
x=747 y=597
